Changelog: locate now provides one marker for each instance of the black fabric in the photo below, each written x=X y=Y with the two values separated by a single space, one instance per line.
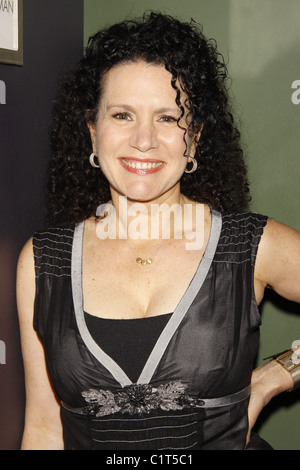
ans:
x=212 y=351
x=128 y=342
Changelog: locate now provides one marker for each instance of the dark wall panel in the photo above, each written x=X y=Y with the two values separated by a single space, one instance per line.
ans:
x=53 y=41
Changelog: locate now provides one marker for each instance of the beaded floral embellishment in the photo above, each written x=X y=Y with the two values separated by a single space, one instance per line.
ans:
x=139 y=399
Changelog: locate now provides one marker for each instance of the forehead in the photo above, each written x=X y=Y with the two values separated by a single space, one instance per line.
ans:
x=138 y=78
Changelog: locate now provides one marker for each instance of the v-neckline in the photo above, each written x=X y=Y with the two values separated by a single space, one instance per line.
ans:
x=172 y=324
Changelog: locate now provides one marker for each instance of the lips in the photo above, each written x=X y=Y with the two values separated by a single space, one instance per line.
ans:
x=141 y=167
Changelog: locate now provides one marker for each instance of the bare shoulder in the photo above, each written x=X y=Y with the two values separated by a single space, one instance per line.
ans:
x=280 y=240
x=25 y=286
x=278 y=259
x=26 y=255
x=25 y=273
x=279 y=231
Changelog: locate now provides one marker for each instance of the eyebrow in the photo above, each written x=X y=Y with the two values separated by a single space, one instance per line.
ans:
x=132 y=109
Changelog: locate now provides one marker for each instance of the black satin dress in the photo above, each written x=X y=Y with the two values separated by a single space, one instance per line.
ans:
x=188 y=388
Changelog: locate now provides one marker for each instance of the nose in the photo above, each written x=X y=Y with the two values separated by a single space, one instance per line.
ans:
x=144 y=136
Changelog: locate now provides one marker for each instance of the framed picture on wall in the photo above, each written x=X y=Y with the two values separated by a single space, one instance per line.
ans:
x=11 y=32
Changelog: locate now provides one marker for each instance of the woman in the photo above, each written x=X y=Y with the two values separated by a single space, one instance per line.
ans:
x=149 y=329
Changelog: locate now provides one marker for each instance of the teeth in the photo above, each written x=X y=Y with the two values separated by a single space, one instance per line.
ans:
x=141 y=165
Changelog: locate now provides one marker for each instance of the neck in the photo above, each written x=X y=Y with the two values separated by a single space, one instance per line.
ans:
x=155 y=219
x=163 y=219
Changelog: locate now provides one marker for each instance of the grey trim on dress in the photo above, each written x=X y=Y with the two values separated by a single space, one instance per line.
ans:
x=172 y=325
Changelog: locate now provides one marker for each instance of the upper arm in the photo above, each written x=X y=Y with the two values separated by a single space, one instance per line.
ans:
x=42 y=418
x=278 y=260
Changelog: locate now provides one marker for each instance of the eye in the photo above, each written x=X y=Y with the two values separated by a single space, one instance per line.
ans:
x=167 y=118
x=122 y=116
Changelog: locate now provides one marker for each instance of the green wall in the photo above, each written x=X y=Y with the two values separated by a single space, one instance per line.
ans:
x=261 y=40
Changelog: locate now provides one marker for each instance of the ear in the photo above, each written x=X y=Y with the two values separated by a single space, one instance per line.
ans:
x=198 y=135
x=92 y=129
x=196 y=140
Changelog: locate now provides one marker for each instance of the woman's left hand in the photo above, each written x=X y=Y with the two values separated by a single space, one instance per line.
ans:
x=267 y=381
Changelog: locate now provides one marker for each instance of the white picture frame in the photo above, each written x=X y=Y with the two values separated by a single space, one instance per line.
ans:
x=11 y=32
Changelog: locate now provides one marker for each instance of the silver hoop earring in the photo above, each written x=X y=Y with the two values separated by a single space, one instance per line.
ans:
x=194 y=167
x=92 y=160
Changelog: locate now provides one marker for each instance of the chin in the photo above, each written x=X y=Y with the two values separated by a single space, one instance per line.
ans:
x=141 y=193
x=141 y=198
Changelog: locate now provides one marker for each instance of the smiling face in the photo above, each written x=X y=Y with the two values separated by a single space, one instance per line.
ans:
x=136 y=137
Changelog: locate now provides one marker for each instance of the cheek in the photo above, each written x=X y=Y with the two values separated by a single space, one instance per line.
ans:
x=177 y=147
x=107 y=139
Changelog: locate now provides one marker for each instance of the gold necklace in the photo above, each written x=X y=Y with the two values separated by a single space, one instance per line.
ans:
x=139 y=260
x=146 y=261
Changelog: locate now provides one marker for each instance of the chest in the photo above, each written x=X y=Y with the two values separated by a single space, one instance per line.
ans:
x=207 y=337
x=116 y=286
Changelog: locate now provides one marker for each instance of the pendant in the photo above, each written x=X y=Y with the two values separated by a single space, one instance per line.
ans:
x=144 y=262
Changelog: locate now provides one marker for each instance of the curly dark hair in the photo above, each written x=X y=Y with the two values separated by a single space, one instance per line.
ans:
x=76 y=188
